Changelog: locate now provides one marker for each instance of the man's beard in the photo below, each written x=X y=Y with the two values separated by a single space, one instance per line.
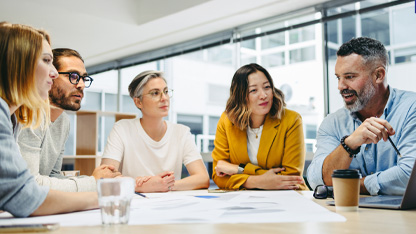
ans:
x=57 y=97
x=362 y=99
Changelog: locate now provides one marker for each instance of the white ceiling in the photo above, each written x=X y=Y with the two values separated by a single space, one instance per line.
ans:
x=105 y=30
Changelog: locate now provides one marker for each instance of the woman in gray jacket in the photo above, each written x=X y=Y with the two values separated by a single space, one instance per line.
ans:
x=26 y=76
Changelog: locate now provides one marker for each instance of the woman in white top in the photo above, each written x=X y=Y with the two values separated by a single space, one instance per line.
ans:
x=151 y=149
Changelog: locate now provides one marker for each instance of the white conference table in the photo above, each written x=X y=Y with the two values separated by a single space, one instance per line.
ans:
x=363 y=221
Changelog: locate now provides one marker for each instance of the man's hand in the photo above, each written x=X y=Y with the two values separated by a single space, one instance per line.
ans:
x=162 y=182
x=225 y=168
x=105 y=171
x=372 y=130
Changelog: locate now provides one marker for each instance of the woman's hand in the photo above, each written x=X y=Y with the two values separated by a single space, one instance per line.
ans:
x=140 y=180
x=270 y=180
x=162 y=182
x=225 y=168
x=105 y=171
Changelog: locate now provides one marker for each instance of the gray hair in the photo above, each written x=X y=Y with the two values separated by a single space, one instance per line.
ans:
x=371 y=50
x=137 y=84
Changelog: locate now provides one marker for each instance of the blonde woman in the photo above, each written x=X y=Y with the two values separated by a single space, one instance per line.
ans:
x=259 y=143
x=151 y=149
x=26 y=76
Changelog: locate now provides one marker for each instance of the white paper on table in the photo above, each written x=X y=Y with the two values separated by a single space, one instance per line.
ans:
x=203 y=207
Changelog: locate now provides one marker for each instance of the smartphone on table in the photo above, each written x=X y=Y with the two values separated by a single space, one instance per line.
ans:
x=39 y=227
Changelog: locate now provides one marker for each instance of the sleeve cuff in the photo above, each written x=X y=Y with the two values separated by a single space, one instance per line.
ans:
x=371 y=184
x=85 y=183
x=314 y=173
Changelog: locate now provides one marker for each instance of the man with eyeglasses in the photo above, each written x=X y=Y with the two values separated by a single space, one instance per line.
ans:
x=43 y=147
x=375 y=132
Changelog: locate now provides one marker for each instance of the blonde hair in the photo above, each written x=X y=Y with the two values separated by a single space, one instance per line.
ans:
x=20 y=49
x=237 y=108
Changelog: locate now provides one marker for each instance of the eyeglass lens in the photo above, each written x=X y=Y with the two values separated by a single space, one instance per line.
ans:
x=157 y=95
x=74 y=79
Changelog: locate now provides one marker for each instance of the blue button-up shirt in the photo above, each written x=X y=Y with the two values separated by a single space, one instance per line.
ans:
x=384 y=171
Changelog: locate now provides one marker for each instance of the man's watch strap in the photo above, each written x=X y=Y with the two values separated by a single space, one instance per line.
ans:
x=348 y=149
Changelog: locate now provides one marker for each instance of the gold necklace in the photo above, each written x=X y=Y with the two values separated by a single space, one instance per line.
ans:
x=256 y=132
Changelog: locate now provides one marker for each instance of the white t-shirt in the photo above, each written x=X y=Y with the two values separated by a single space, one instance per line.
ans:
x=140 y=155
x=253 y=143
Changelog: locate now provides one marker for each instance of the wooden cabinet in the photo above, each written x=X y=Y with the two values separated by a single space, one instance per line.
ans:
x=86 y=158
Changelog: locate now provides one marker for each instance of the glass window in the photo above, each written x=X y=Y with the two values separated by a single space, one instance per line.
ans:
x=249 y=44
x=220 y=54
x=213 y=121
x=248 y=59
x=341 y=9
x=302 y=34
x=194 y=122
x=273 y=60
x=70 y=143
x=369 y=3
x=309 y=147
x=128 y=105
x=110 y=102
x=218 y=94
x=91 y=101
x=404 y=20
x=273 y=40
x=405 y=55
x=348 y=28
x=302 y=54
x=332 y=54
x=212 y=125
x=201 y=87
x=376 y=25
x=105 y=125
x=332 y=31
x=106 y=82
x=310 y=131
x=197 y=55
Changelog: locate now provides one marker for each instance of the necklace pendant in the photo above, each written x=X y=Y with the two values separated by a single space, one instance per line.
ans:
x=257 y=136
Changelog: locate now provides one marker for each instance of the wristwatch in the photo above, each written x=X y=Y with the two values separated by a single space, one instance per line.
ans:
x=351 y=152
x=241 y=169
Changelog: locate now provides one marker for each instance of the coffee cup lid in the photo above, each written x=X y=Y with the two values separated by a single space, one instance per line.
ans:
x=348 y=173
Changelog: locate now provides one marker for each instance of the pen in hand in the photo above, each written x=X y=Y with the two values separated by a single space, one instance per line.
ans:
x=394 y=146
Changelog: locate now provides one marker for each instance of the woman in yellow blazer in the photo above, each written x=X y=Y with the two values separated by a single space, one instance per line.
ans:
x=259 y=143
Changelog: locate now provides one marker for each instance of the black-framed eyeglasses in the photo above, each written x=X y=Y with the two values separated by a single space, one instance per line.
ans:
x=75 y=77
x=323 y=192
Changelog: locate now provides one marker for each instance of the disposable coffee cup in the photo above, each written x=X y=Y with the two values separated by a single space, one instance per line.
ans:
x=346 y=185
x=114 y=197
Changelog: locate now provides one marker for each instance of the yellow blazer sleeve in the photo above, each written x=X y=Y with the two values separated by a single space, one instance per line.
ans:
x=281 y=145
x=251 y=169
x=287 y=150
x=294 y=150
x=222 y=152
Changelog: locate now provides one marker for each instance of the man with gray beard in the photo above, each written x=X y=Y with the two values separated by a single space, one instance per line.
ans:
x=356 y=137
x=43 y=147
